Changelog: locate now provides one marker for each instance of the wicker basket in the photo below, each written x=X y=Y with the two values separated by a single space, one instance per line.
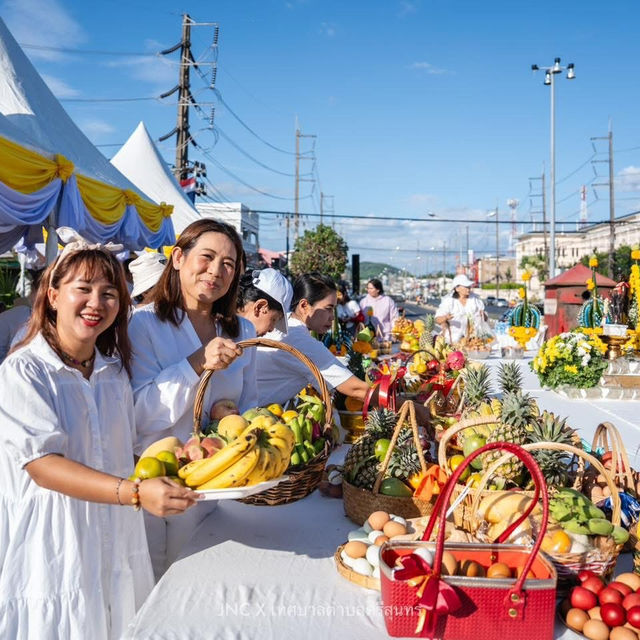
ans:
x=602 y=559
x=359 y=504
x=462 y=515
x=302 y=480
x=368 y=582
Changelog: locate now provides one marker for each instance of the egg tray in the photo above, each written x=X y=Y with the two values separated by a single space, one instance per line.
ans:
x=353 y=576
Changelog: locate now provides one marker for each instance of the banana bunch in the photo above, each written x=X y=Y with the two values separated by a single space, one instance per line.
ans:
x=575 y=513
x=256 y=455
x=439 y=350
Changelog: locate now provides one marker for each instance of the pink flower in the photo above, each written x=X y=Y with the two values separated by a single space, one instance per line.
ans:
x=455 y=360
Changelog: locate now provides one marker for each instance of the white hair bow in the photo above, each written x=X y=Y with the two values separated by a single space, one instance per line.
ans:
x=75 y=242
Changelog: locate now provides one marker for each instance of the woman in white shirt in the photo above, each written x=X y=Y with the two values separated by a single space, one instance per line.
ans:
x=189 y=326
x=280 y=375
x=348 y=310
x=73 y=554
x=460 y=309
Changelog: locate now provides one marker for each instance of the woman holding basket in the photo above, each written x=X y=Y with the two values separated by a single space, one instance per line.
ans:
x=73 y=553
x=190 y=325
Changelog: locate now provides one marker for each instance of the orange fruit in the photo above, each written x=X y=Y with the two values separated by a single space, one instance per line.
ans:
x=455 y=462
x=556 y=542
x=170 y=462
x=149 y=468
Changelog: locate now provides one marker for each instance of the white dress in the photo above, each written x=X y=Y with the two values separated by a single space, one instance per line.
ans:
x=165 y=384
x=281 y=375
x=472 y=312
x=68 y=568
x=164 y=388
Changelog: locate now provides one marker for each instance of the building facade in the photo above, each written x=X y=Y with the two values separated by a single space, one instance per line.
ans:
x=241 y=218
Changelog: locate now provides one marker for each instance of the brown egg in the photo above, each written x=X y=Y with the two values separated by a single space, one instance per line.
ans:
x=449 y=564
x=519 y=573
x=498 y=570
x=355 y=549
x=622 y=633
x=378 y=519
x=630 y=579
x=393 y=528
x=594 y=613
x=471 y=569
x=595 y=630
x=576 y=619
x=380 y=539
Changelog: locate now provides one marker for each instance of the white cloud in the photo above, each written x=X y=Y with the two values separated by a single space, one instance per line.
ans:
x=96 y=129
x=156 y=70
x=59 y=87
x=629 y=179
x=427 y=67
x=407 y=8
x=327 y=29
x=45 y=23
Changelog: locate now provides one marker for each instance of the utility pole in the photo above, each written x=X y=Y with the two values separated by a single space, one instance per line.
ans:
x=287 y=244
x=612 y=214
x=182 y=135
x=543 y=211
x=497 y=255
x=296 y=219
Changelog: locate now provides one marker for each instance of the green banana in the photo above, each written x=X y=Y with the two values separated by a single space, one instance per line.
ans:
x=307 y=430
x=295 y=459
x=574 y=526
x=599 y=527
x=619 y=535
x=297 y=430
x=302 y=452
x=310 y=449
x=318 y=445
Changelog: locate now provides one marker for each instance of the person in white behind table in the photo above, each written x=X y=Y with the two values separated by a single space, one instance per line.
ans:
x=264 y=298
x=73 y=553
x=146 y=270
x=190 y=325
x=280 y=374
x=458 y=309
x=384 y=308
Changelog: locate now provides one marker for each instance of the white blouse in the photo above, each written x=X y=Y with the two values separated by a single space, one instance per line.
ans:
x=68 y=568
x=472 y=312
x=165 y=384
x=281 y=375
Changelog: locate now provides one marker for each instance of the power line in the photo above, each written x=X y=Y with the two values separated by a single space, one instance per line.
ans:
x=137 y=99
x=98 y=52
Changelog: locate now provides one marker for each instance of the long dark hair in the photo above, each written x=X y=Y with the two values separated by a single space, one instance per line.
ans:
x=167 y=294
x=248 y=292
x=113 y=341
x=311 y=287
x=377 y=284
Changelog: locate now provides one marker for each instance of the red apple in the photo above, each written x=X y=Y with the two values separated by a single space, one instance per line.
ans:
x=631 y=600
x=585 y=573
x=613 y=615
x=610 y=595
x=633 y=617
x=211 y=445
x=624 y=589
x=582 y=598
x=593 y=583
x=223 y=408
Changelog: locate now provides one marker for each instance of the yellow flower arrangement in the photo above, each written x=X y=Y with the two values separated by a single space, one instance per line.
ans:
x=635 y=252
x=590 y=284
x=522 y=335
x=526 y=276
x=593 y=262
x=521 y=293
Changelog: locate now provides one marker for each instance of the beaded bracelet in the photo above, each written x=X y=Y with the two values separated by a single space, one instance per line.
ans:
x=135 y=498
x=118 y=490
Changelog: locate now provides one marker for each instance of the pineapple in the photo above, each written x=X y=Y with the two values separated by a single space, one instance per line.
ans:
x=380 y=424
x=519 y=412
x=404 y=461
x=509 y=377
x=477 y=386
x=426 y=337
x=366 y=473
x=553 y=464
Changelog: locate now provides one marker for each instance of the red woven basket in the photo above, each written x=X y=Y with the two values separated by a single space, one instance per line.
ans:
x=420 y=602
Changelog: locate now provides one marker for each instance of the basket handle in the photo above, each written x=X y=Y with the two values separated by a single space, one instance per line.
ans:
x=515 y=595
x=621 y=466
x=554 y=446
x=451 y=431
x=407 y=408
x=283 y=346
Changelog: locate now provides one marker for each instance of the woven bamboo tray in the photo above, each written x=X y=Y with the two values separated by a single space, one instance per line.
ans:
x=359 y=504
x=302 y=479
x=368 y=582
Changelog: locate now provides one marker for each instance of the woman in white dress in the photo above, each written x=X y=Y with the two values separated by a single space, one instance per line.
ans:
x=190 y=325
x=73 y=553
x=281 y=375
x=460 y=311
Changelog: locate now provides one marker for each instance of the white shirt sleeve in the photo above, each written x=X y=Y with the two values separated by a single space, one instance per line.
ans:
x=30 y=425
x=162 y=394
x=445 y=307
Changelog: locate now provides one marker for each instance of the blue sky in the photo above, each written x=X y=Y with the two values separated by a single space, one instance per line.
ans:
x=418 y=106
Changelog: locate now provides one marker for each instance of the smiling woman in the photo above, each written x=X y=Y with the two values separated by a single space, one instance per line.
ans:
x=190 y=325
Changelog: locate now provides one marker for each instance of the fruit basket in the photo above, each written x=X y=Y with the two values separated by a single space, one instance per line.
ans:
x=302 y=479
x=602 y=557
x=360 y=502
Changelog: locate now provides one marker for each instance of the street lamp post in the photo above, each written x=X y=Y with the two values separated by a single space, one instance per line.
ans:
x=490 y=215
x=550 y=73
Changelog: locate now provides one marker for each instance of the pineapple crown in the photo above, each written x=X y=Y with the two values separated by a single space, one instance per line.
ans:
x=519 y=409
x=509 y=377
x=381 y=423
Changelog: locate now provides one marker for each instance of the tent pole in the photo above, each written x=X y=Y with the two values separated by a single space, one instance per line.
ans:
x=51 y=248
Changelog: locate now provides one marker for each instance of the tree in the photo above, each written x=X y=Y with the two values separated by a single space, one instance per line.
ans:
x=535 y=263
x=621 y=262
x=320 y=249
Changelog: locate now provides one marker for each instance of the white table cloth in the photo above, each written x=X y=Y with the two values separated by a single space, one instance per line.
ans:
x=268 y=572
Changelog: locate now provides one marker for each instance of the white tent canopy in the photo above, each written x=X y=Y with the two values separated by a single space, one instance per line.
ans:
x=141 y=162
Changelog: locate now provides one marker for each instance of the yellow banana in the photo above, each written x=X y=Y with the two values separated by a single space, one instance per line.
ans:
x=284 y=447
x=277 y=461
x=236 y=475
x=221 y=460
x=280 y=430
x=261 y=471
x=188 y=468
x=284 y=452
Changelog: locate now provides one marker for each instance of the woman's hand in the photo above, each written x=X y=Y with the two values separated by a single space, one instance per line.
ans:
x=217 y=354
x=164 y=497
x=444 y=319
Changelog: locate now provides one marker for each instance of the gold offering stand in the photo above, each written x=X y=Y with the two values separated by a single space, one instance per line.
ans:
x=614 y=345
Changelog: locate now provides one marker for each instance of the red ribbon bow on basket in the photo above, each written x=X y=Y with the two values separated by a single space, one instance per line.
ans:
x=435 y=597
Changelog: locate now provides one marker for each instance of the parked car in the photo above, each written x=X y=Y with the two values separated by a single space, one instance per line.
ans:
x=491 y=300
x=502 y=302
